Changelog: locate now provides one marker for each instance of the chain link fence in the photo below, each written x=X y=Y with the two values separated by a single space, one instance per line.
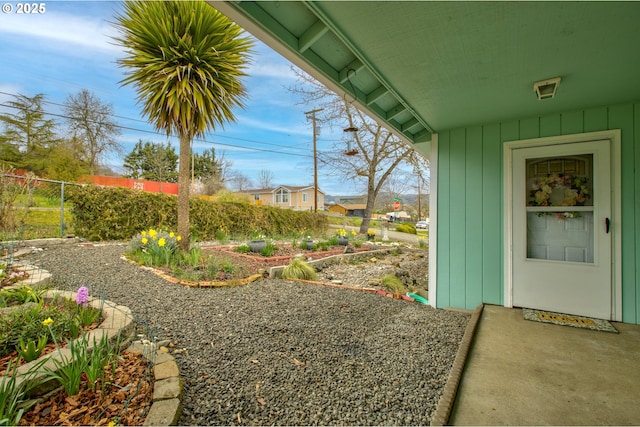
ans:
x=33 y=208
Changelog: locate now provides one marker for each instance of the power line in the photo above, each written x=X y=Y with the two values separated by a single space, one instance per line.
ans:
x=213 y=134
x=195 y=139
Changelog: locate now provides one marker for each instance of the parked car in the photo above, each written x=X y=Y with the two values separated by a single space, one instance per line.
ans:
x=422 y=225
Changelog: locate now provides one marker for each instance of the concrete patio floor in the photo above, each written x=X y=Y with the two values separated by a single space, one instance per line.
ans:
x=520 y=372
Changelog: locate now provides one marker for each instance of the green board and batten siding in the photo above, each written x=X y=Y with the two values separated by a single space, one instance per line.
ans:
x=470 y=202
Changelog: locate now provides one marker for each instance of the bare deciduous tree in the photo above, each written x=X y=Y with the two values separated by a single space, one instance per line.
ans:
x=239 y=182
x=374 y=153
x=265 y=178
x=91 y=123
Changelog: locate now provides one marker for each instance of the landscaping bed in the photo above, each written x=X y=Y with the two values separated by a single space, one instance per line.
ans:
x=113 y=388
x=256 y=263
x=366 y=360
x=125 y=401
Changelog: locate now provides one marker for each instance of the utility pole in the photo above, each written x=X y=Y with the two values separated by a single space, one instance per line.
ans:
x=419 y=210
x=315 y=157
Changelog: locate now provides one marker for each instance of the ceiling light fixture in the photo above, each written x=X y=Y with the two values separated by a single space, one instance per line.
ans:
x=546 y=89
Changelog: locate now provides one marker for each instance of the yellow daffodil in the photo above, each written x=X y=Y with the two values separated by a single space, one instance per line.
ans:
x=171 y=234
x=144 y=233
x=161 y=242
x=152 y=233
x=111 y=423
x=47 y=321
x=144 y=240
x=178 y=238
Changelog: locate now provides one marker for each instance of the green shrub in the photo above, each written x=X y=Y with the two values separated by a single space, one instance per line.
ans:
x=406 y=228
x=299 y=269
x=120 y=213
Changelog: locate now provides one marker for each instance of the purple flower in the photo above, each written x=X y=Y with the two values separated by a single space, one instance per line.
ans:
x=82 y=297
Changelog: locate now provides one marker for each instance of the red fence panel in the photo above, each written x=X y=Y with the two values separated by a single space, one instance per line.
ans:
x=138 y=184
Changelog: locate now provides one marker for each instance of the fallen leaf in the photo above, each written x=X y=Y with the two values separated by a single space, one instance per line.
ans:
x=297 y=362
x=255 y=361
x=261 y=401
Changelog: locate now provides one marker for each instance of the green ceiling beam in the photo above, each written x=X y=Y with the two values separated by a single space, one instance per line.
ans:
x=274 y=27
x=355 y=65
x=398 y=109
x=317 y=10
x=422 y=136
x=376 y=94
x=412 y=122
x=312 y=35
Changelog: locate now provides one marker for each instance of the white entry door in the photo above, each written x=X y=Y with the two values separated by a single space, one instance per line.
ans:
x=561 y=228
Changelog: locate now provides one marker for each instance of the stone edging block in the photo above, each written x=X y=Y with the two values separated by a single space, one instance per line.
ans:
x=167 y=394
x=167 y=390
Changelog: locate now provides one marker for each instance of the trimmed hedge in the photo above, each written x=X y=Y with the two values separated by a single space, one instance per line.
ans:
x=115 y=213
x=406 y=228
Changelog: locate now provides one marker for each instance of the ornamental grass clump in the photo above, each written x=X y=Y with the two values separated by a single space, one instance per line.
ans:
x=299 y=269
x=156 y=248
x=394 y=285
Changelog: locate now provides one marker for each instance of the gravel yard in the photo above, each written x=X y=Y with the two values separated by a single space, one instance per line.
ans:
x=276 y=352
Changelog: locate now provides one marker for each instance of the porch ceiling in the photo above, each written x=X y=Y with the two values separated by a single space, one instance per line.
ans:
x=425 y=66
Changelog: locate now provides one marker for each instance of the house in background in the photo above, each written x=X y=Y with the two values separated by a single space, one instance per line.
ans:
x=287 y=197
x=351 y=200
x=345 y=209
x=530 y=115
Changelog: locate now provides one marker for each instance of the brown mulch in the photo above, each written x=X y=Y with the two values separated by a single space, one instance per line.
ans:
x=18 y=361
x=126 y=399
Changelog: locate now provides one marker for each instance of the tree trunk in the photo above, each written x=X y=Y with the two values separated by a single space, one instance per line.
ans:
x=184 y=183
x=368 y=210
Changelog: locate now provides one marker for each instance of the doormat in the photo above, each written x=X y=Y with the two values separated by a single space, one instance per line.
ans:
x=568 y=320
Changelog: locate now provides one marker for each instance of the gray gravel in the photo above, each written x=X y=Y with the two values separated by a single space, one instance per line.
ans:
x=277 y=352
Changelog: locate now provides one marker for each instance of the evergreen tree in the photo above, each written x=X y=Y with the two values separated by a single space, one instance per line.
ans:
x=27 y=136
x=153 y=162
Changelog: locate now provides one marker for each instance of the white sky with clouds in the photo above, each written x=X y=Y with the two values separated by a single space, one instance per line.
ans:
x=69 y=48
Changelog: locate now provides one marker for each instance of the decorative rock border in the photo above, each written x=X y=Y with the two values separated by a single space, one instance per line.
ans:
x=117 y=320
x=167 y=389
x=277 y=273
x=202 y=284
x=445 y=404
x=272 y=272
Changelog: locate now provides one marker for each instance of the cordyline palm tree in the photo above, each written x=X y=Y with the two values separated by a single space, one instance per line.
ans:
x=185 y=60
